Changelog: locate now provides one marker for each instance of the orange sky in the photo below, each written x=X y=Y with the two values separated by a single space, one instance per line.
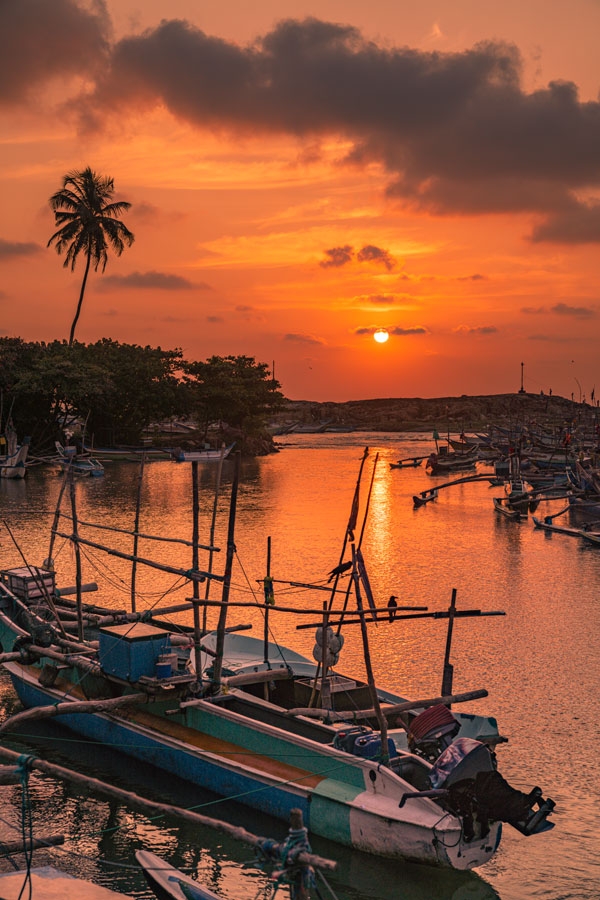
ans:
x=303 y=173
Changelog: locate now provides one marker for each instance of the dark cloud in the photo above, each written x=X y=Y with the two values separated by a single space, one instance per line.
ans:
x=396 y=330
x=337 y=256
x=577 y=312
x=418 y=329
x=455 y=132
x=578 y=225
x=41 y=40
x=14 y=249
x=215 y=320
x=301 y=338
x=476 y=329
x=475 y=277
x=150 y=281
x=369 y=253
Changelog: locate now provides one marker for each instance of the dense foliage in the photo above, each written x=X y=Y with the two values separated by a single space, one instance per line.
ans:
x=116 y=392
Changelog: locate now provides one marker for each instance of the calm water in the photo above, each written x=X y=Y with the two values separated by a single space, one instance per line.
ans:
x=539 y=662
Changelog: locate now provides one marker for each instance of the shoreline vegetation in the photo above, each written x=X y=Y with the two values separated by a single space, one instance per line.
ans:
x=454 y=414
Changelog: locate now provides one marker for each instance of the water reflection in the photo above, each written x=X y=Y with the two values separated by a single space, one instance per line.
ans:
x=540 y=662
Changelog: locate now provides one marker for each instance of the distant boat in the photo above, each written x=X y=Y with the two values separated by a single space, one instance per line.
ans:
x=410 y=462
x=131 y=454
x=80 y=464
x=12 y=463
x=448 y=461
x=202 y=455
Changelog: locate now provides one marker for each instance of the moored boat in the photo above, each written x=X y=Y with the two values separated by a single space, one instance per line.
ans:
x=204 y=455
x=267 y=726
x=13 y=456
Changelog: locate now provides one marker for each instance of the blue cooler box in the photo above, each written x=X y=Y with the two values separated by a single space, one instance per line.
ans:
x=131 y=651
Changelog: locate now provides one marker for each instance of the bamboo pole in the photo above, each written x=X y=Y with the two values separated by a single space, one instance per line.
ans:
x=75 y=540
x=393 y=710
x=147 y=537
x=153 y=807
x=136 y=529
x=195 y=563
x=70 y=708
x=8 y=848
x=213 y=524
x=218 y=664
x=193 y=576
x=381 y=719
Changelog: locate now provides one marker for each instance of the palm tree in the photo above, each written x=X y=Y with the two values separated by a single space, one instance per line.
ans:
x=89 y=224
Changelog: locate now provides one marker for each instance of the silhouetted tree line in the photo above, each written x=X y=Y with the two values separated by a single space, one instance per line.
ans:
x=118 y=391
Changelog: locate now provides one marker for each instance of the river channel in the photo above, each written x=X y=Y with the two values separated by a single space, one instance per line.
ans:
x=539 y=661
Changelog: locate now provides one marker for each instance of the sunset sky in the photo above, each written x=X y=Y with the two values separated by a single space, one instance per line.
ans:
x=302 y=174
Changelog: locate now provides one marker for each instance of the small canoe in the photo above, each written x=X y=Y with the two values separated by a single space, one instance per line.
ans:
x=410 y=463
x=167 y=882
x=506 y=510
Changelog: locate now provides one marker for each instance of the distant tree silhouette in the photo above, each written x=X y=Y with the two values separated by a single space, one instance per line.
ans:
x=89 y=224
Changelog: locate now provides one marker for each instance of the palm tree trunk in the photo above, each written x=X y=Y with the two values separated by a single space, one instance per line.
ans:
x=81 y=293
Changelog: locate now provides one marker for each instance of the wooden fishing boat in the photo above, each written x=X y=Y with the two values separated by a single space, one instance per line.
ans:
x=502 y=506
x=79 y=463
x=169 y=883
x=444 y=461
x=255 y=721
x=410 y=462
x=290 y=863
x=586 y=534
x=13 y=456
x=206 y=455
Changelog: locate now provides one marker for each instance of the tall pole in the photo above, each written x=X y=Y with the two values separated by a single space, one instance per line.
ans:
x=196 y=586
x=448 y=668
x=136 y=529
x=220 y=643
x=75 y=538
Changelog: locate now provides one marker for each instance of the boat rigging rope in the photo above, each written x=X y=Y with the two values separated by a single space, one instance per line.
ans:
x=24 y=764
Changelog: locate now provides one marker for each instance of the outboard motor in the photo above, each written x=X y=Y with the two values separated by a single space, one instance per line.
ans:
x=477 y=792
x=432 y=731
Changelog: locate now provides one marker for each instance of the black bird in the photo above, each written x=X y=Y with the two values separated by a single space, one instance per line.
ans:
x=339 y=570
x=392 y=608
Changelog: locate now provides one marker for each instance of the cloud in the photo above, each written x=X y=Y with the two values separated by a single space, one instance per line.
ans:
x=534 y=310
x=401 y=332
x=340 y=256
x=297 y=338
x=396 y=330
x=337 y=256
x=215 y=320
x=476 y=329
x=578 y=225
x=577 y=312
x=14 y=249
x=40 y=41
x=376 y=254
x=475 y=277
x=161 y=281
x=455 y=132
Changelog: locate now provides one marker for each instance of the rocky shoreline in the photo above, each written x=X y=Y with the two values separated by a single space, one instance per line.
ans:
x=455 y=414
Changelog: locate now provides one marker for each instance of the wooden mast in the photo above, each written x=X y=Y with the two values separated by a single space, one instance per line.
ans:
x=220 y=642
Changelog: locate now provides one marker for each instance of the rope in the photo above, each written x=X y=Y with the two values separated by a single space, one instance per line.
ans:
x=24 y=764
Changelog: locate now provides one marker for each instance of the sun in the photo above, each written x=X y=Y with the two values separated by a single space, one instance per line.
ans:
x=381 y=335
